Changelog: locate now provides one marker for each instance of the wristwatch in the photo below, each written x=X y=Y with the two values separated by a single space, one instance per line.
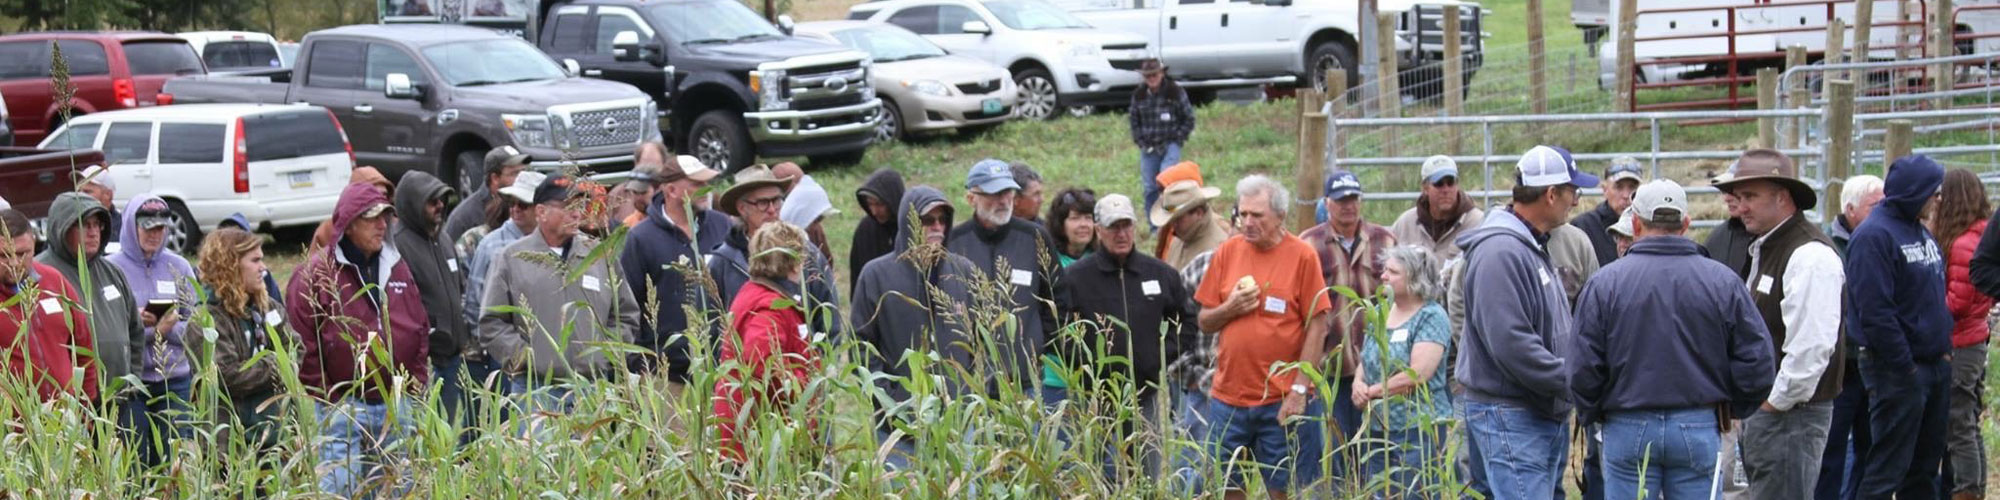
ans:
x=1299 y=389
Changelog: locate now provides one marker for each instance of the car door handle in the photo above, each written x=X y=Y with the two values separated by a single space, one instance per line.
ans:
x=593 y=72
x=1173 y=22
x=364 y=108
x=1225 y=20
x=46 y=178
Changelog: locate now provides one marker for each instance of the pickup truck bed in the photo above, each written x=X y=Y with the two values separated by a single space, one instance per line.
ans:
x=31 y=178
x=260 y=87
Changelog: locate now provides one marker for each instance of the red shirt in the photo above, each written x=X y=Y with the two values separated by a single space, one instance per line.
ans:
x=1293 y=290
x=56 y=353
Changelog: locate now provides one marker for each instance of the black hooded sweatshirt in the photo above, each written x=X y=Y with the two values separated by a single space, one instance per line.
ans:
x=434 y=263
x=901 y=306
x=873 y=239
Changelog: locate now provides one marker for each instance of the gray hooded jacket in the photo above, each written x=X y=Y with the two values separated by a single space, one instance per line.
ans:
x=1518 y=324
x=434 y=263
x=114 y=317
x=900 y=306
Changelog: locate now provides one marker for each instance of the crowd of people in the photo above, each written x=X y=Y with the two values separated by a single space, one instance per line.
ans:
x=1830 y=361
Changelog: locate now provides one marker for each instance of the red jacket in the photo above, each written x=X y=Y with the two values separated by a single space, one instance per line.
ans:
x=59 y=338
x=772 y=345
x=1968 y=306
x=334 y=318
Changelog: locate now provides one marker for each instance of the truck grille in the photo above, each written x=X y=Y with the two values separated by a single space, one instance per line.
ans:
x=977 y=88
x=827 y=86
x=1427 y=23
x=1126 y=64
x=606 y=127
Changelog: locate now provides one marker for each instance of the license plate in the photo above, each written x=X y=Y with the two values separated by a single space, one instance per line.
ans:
x=990 y=106
x=301 y=180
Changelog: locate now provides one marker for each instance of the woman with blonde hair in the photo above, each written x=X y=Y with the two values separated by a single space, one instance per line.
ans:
x=245 y=321
x=768 y=355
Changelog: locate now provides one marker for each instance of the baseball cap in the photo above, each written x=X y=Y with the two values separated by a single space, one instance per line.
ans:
x=1660 y=201
x=1544 y=166
x=1625 y=167
x=1439 y=167
x=523 y=189
x=504 y=156
x=153 y=213
x=554 y=188
x=689 y=168
x=1113 y=208
x=1342 y=184
x=991 y=176
x=1624 y=225
x=97 y=174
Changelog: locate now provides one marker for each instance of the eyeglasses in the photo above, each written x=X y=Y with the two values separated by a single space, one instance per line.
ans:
x=764 y=202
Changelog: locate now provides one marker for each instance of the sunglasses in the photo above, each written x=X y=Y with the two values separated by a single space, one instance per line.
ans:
x=935 y=220
x=1446 y=182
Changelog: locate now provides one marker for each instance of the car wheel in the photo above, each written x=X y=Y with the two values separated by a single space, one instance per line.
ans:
x=470 y=169
x=890 y=128
x=1329 y=55
x=1038 y=94
x=184 y=235
x=718 y=139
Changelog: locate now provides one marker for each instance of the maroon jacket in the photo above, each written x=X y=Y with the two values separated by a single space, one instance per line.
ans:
x=334 y=318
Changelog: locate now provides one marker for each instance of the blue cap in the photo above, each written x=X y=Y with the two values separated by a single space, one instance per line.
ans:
x=1545 y=166
x=1342 y=184
x=991 y=176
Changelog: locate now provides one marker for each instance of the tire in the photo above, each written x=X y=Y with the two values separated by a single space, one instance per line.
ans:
x=1201 y=97
x=1331 y=54
x=719 y=140
x=838 y=159
x=185 y=234
x=1039 y=100
x=890 y=129
x=469 y=170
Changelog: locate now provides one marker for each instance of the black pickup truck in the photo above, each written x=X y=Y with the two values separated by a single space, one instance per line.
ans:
x=435 y=98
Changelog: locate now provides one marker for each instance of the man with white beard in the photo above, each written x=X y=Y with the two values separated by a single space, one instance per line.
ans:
x=1016 y=253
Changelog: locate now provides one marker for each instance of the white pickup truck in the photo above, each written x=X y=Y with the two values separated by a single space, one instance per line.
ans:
x=1210 y=44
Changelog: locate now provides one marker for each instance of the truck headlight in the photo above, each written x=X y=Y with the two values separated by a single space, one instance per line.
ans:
x=769 y=85
x=932 y=87
x=530 y=131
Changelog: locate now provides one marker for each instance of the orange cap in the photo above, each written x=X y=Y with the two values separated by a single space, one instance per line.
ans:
x=1183 y=171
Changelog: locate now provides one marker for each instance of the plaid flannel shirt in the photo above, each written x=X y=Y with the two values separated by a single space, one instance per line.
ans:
x=1196 y=367
x=1147 y=109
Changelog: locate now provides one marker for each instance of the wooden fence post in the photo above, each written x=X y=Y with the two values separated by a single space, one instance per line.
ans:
x=1864 y=27
x=1800 y=96
x=1767 y=99
x=1897 y=143
x=1336 y=85
x=1836 y=38
x=1628 y=21
x=1942 y=46
x=1538 y=64
x=1839 y=135
x=1389 y=94
x=1454 y=78
x=1311 y=166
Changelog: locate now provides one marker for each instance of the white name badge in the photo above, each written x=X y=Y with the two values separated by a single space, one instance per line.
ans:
x=451 y=263
x=805 y=333
x=163 y=287
x=1544 y=272
x=1150 y=287
x=1400 y=335
x=1023 y=278
x=1764 y=283
x=273 y=318
x=1274 y=305
x=111 y=293
x=51 y=306
x=590 y=283
x=1166 y=117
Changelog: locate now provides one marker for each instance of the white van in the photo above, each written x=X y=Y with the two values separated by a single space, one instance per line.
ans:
x=278 y=165
x=235 y=51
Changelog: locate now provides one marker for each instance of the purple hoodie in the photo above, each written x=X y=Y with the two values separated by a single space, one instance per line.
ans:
x=162 y=275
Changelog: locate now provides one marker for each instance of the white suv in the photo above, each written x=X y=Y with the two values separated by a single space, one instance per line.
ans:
x=278 y=165
x=1058 y=61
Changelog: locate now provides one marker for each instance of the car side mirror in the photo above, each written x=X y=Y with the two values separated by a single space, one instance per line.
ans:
x=570 y=66
x=976 y=27
x=398 y=86
x=625 y=46
x=786 y=24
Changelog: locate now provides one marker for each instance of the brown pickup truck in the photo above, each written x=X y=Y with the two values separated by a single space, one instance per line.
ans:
x=31 y=178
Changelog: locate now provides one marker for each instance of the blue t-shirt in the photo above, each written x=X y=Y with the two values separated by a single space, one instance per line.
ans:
x=1390 y=351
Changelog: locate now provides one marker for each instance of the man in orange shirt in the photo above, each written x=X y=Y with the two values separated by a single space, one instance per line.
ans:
x=1265 y=293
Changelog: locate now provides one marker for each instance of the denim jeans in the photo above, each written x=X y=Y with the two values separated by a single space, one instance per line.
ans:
x=1847 y=440
x=1907 y=413
x=540 y=399
x=1781 y=450
x=1672 y=452
x=1406 y=459
x=1523 y=453
x=1190 y=415
x=169 y=415
x=135 y=427
x=357 y=437
x=1287 y=455
x=1145 y=453
x=1150 y=165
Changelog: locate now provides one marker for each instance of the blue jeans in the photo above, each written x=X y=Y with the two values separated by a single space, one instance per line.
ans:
x=1673 y=452
x=169 y=414
x=1190 y=414
x=1522 y=452
x=1150 y=165
x=1907 y=415
x=1847 y=440
x=1287 y=454
x=1405 y=459
x=540 y=399
x=357 y=436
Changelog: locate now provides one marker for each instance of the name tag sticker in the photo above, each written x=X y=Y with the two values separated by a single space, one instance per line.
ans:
x=1150 y=287
x=451 y=263
x=590 y=283
x=1764 y=283
x=1022 y=277
x=1400 y=335
x=805 y=333
x=273 y=318
x=1166 y=117
x=111 y=293
x=51 y=306
x=163 y=287
x=1274 y=305
x=1544 y=272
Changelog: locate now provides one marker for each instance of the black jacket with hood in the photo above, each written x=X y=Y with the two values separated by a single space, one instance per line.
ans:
x=655 y=254
x=900 y=306
x=114 y=317
x=873 y=239
x=433 y=260
x=1031 y=268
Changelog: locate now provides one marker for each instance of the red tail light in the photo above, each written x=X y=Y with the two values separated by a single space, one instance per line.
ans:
x=126 y=94
x=241 y=171
x=351 y=162
x=163 y=99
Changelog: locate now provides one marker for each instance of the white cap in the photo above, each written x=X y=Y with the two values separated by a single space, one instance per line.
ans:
x=97 y=174
x=524 y=186
x=1660 y=201
x=1439 y=167
x=1546 y=166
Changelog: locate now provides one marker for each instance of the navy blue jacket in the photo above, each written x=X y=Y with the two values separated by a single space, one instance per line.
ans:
x=1895 y=303
x=656 y=252
x=1665 y=312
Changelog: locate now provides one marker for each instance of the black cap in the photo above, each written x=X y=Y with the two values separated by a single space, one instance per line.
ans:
x=555 y=188
x=152 y=213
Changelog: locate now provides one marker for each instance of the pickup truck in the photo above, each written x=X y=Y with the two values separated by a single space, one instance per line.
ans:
x=435 y=98
x=1210 y=44
x=31 y=178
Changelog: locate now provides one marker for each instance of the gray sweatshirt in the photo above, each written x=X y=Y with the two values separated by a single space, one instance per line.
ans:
x=598 y=307
x=1517 y=323
x=900 y=306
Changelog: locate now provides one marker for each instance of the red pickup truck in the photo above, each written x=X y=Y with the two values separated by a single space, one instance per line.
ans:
x=112 y=70
x=31 y=178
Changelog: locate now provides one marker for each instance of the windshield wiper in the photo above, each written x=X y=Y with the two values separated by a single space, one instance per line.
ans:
x=476 y=83
x=752 y=36
x=706 y=41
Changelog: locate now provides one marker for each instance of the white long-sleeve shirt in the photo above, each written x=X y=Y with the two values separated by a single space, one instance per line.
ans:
x=1813 y=281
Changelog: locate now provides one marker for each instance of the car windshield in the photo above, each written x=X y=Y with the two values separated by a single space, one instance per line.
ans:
x=888 y=44
x=711 y=22
x=487 y=62
x=1033 y=15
